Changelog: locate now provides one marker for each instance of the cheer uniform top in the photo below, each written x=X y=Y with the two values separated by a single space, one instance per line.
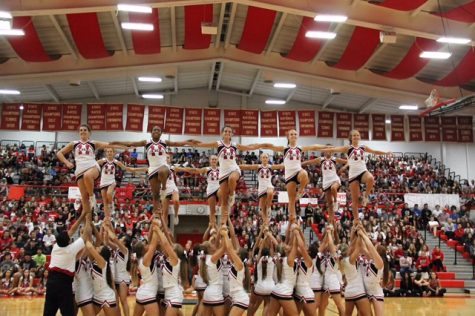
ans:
x=103 y=294
x=265 y=283
x=329 y=174
x=239 y=296
x=285 y=287
x=356 y=163
x=156 y=156
x=212 y=178
x=213 y=295
x=83 y=288
x=171 y=184
x=354 y=289
x=84 y=157
x=147 y=291
x=120 y=266
x=292 y=163
x=371 y=278
x=171 y=284
x=303 y=291
x=227 y=160
x=264 y=179
x=331 y=280
x=108 y=171
x=316 y=279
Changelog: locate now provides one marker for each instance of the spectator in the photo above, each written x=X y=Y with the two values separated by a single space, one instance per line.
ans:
x=49 y=240
x=420 y=285
x=434 y=287
x=40 y=260
x=437 y=259
x=423 y=263
x=405 y=263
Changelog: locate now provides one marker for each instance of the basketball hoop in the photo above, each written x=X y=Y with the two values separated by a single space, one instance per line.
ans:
x=433 y=99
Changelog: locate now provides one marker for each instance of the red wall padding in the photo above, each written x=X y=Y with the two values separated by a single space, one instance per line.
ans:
x=146 y=42
x=29 y=46
x=304 y=48
x=257 y=29
x=361 y=46
x=87 y=35
x=194 y=16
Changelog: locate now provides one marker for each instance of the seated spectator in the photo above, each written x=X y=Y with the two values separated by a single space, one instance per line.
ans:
x=424 y=251
x=6 y=241
x=459 y=234
x=420 y=286
x=389 y=290
x=434 y=286
x=6 y=283
x=437 y=259
x=406 y=288
x=7 y=263
x=405 y=264
x=423 y=263
x=40 y=261
x=27 y=263
x=449 y=228
x=25 y=286
x=49 y=240
x=40 y=289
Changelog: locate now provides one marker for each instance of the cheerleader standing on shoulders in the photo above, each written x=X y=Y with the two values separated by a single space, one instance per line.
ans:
x=174 y=272
x=265 y=190
x=171 y=194
x=331 y=180
x=229 y=172
x=358 y=173
x=295 y=176
x=331 y=277
x=303 y=294
x=355 y=293
x=374 y=268
x=107 y=185
x=158 y=170
x=286 y=274
x=87 y=169
x=146 y=296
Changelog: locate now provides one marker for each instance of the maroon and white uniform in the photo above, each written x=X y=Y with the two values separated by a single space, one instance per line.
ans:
x=292 y=162
x=329 y=174
x=264 y=177
x=156 y=156
x=356 y=162
x=227 y=160
x=108 y=171
x=84 y=157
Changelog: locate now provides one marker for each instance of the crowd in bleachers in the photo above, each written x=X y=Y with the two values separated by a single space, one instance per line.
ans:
x=28 y=226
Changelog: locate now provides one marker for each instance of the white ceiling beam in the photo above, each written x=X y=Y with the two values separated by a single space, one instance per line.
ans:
x=93 y=89
x=135 y=86
x=13 y=51
x=375 y=54
x=63 y=36
x=173 y=27
x=255 y=81
x=229 y=30
x=322 y=49
x=118 y=30
x=291 y=94
x=53 y=94
x=328 y=101
x=210 y=81
x=220 y=75
x=367 y=105
x=175 y=82
x=275 y=35
x=217 y=40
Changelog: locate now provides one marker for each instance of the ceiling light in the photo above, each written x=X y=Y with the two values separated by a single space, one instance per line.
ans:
x=22 y=107
x=152 y=96
x=134 y=8
x=5 y=15
x=12 y=32
x=408 y=107
x=150 y=79
x=284 y=85
x=5 y=24
x=330 y=18
x=319 y=34
x=435 y=55
x=454 y=40
x=272 y=101
x=388 y=121
x=137 y=26
x=8 y=91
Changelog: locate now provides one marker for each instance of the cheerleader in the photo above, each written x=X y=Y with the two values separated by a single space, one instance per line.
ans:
x=286 y=275
x=122 y=278
x=212 y=179
x=146 y=296
x=303 y=294
x=174 y=272
x=171 y=194
x=83 y=286
x=294 y=174
x=104 y=291
x=331 y=180
x=316 y=279
x=7 y=284
x=109 y=166
x=374 y=269
x=229 y=172
x=25 y=285
x=158 y=170
x=87 y=169
x=355 y=293
x=212 y=274
x=198 y=284
x=331 y=282
x=40 y=289
x=358 y=173
x=265 y=190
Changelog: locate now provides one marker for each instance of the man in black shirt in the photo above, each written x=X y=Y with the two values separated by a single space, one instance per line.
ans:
x=426 y=214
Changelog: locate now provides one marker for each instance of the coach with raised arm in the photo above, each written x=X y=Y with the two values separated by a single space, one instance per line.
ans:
x=59 y=293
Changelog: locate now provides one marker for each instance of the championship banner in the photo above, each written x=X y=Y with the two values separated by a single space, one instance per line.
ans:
x=465 y=129
x=249 y=123
x=232 y=118
x=174 y=121
x=31 y=118
x=449 y=128
x=306 y=123
x=10 y=116
x=268 y=123
x=193 y=121
x=415 y=128
x=115 y=117
x=51 y=117
x=343 y=125
x=156 y=117
x=432 y=129
x=325 y=124
x=379 y=126
x=211 y=122
x=361 y=123
x=135 y=113
x=71 y=117
x=286 y=122
x=397 y=128
x=96 y=116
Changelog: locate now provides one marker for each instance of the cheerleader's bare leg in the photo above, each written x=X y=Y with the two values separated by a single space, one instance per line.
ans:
x=340 y=304
x=212 y=209
x=165 y=207
x=355 y=201
x=123 y=293
x=155 y=188
x=368 y=179
x=163 y=173
x=224 y=197
x=303 y=180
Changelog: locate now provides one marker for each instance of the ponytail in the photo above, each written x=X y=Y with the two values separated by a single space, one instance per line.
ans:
x=106 y=254
x=278 y=263
x=313 y=252
x=180 y=252
x=382 y=252
x=264 y=259
x=203 y=267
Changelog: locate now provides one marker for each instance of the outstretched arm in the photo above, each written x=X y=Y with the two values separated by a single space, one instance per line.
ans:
x=377 y=152
x=102 y=145
x=315 y=161
x=232 y=253
x=130 y=144
x=101 y=262
x=340 y=149
x=272 y=147
x=315 y=147
x=249 y=167
x=198 y=144
x=277 y=167
x=191 y=170
x=76 y=224
x=129 y=169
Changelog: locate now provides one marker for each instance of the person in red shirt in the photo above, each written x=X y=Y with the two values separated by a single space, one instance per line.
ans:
x=459 y=234
x=423 y=263
x=437 y=259
x=6 y=241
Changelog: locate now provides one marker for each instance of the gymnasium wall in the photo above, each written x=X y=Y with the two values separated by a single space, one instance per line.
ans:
x=454 y=155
